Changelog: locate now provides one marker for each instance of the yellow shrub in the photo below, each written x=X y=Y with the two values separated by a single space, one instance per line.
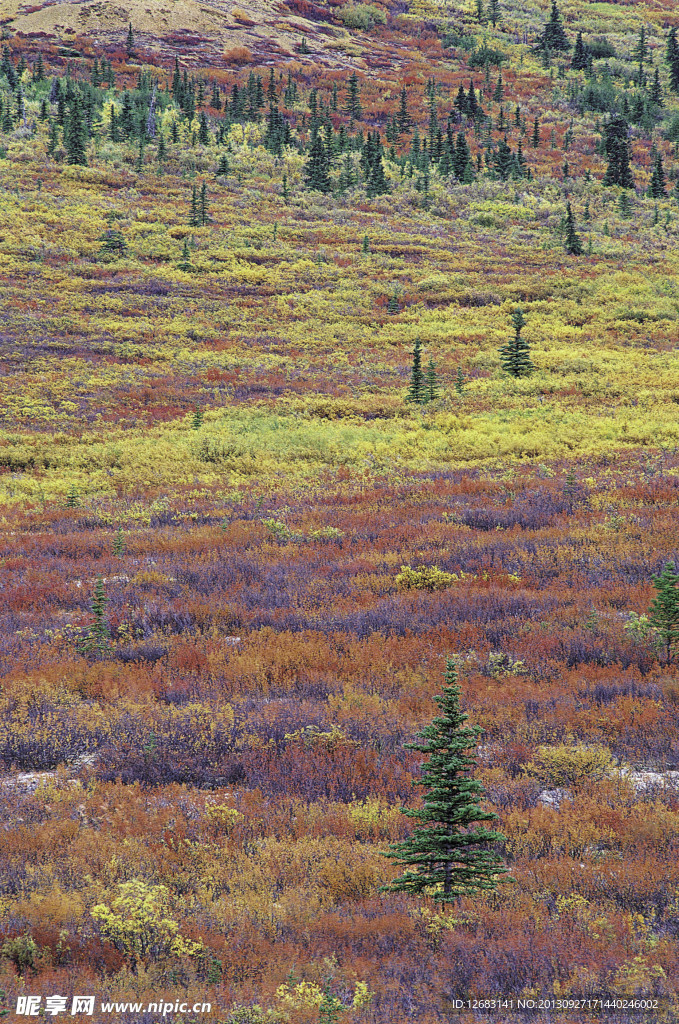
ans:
x=424 y=577
x=569 y=764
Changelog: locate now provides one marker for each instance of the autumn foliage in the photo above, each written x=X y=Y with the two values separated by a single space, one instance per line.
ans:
x=234 y=558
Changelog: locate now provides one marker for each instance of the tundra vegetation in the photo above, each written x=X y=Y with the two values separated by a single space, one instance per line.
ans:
x=322 y=366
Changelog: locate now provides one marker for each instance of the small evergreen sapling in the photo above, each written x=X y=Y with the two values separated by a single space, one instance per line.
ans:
x=185 y=262
x=572 y=244
x=450 y=854
x=516 y=353
x=97 y=637
x=664 y=609
x=417 y=391
x=119 y=543
x=393 y=305
x=432 y=383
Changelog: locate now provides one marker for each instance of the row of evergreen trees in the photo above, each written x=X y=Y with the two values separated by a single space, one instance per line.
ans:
x=425 y=384
x=78 y=105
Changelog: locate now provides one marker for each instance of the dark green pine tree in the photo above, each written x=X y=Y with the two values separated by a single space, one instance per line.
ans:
x=461 y=157
x=194 y=213
x=473 y=107
x=377 y=183
x=203 y=130
x=317 y=169
x=39 y=69
x=404 y=118
x=655 y=92
x=657 y=188
x=416 y=391
x=97 y=636
x=616 y=144
x=432 y=382
x=572 y=243
x=450 y=848
x=129 y=42
x=393 y=305
x=553 y=36
x=223 y=166
x=460 y=102
x=353 y=104
x=127 y=125
x=75 y=135
x=215 y=98
x=672 y=58
x=535 y=137
x=515 y=355
x=202 y=205
x=580 y=58
x=640 y=54
x=185 y=262
x=502 y=160
x=494 y=12
x=664 y=609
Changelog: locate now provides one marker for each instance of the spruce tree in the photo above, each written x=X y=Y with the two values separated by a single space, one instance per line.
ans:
x=640 y=54
x=97 y=636
x=119 y=543
x=404 y=119
x=39 y=69
x=432 y=382
x=664 y=609
x=416 y=391
x=655 y=92
x=657 y=186
x=572 y=244
x=449 y=849
x=393 y=305
x=580 y=58
x=616 y=144
x=353 y=104
x=553 y=36
x=75 y=135
x=461 y=157
x=515 y=355
x=317 y=170
x=502 y=160
x=194 y=213
x=129 y=42
x=672 y=58
x=185 y=261
x=494 y=12
x=203 y=131
x=202 y=205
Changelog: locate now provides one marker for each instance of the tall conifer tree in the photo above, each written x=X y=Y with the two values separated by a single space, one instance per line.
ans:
x=450 y=849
